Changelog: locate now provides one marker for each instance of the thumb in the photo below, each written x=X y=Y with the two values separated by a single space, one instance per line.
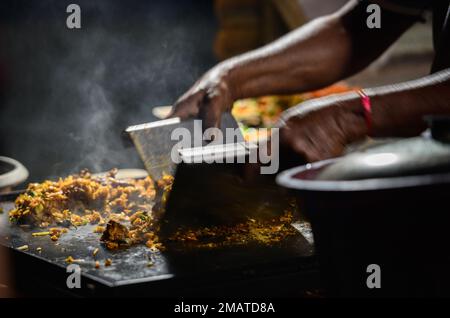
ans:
x=187 y=107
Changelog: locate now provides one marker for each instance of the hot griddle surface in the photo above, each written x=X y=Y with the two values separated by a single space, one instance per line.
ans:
x=131 y=266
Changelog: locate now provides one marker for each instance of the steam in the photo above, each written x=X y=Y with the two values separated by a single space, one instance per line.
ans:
x=74 y=91
x=95 y=134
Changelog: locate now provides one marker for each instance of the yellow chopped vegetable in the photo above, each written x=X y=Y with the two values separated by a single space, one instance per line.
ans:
x=69 y=259
x=41 y=233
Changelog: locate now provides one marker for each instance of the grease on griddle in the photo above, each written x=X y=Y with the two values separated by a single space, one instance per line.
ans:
x=252 y=231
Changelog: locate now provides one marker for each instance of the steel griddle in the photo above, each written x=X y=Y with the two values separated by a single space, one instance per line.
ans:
x=176 y=271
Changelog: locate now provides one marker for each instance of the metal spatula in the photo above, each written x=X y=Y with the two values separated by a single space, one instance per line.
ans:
x=205 y=193
x=155 y=144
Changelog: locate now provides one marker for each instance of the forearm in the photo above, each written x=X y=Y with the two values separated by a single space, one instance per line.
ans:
x=321 y=128
x=297 y=62
x=318 y=54
x=398 y=110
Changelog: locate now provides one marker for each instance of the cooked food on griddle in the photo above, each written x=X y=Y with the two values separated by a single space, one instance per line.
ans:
x=141 y=229
x=54 y=233
x=81 y=199
x=115 y=234
x=126 y=212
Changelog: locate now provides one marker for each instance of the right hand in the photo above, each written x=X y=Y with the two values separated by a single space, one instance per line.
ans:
x=321 y=128
x=207 y=99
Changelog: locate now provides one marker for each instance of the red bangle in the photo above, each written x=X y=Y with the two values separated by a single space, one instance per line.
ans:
x=367 y=106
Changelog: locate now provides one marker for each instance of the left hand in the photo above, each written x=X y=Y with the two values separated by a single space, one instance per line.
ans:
x=320 y=129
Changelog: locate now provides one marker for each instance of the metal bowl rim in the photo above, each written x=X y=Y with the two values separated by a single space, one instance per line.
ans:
x=287 y=180
x=17 y=175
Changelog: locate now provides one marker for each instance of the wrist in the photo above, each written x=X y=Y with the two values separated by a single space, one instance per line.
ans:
x=355 y=116
x=366 y=104
x=228 y=75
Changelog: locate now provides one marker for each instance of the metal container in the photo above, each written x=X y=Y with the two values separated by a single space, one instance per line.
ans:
x=12 y=173
x=383 y=211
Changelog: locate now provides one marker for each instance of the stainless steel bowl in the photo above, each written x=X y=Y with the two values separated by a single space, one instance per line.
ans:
x=12 y=173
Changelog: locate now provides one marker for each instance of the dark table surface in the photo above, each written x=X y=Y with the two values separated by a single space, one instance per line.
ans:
x=173 y=270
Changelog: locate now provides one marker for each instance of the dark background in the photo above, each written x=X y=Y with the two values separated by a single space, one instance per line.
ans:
x=66 y=95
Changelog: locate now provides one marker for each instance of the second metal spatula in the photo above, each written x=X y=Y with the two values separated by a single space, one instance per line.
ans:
x=206 y=193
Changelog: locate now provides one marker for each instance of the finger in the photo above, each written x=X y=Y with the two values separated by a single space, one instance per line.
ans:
x=210 y=112
x=301 y=138
x=187 y=107
x=307 y=150
x=296 y=151
x=324 y=142
x=333 y=138
x=303 y=144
